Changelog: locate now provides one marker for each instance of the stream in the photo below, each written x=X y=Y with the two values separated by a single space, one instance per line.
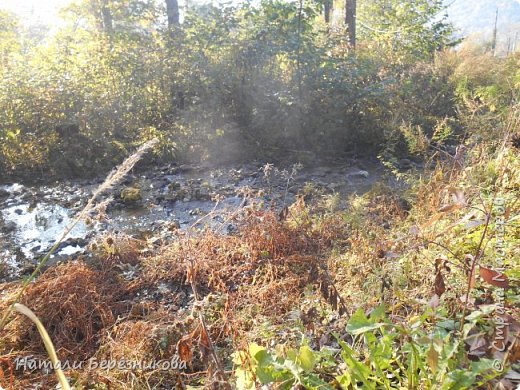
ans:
x=149 y=204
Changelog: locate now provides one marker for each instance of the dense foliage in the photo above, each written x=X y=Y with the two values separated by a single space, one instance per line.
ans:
x=272 y=75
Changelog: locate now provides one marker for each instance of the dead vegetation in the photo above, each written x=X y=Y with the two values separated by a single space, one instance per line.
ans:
x=262 y=271
x=280 y=275
x=258 y=275
x=75 y=303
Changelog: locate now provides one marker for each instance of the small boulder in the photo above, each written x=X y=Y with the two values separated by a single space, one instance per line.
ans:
x=405 y=164
x=360 y=174
x=174 y=186
x=8 y=227
x=201 y=194
x=131 y=195
x=4 y=194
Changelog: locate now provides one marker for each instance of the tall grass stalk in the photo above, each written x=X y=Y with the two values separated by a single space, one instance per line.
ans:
x=49 y=347
x=112 y=179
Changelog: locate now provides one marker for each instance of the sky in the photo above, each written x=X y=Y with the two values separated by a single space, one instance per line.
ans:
x=35 y=11
x=44 y=11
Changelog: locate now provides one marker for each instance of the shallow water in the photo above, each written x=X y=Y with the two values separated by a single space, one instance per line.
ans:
x=32 y=218
x=38 y=227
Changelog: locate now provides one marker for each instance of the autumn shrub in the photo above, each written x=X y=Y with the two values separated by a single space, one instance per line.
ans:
x=264 y=269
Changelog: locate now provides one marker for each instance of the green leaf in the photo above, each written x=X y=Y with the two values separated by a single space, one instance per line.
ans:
x=359 y=371
x=360 y=324
x=379 y=313
x=432 y=358
x=459 y=380
x=265 y=374
x=260 y=354
x=448 y=324
x=292 y=354
x=474 y=316
x=306 y=358
x=483 y=366
x=344 y=380
x=313 y=382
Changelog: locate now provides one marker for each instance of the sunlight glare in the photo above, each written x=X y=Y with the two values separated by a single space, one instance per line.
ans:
x=35 y=11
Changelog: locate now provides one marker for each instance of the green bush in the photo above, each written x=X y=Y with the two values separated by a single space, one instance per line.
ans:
x=383 y=355
x=270 y=76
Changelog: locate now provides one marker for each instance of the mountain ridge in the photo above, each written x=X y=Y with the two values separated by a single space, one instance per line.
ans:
x=475 y=19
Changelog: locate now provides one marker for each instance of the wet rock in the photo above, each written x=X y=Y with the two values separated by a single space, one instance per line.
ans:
x=201 y=194
x=359 y=174
x=36 y=250
x=181 y=195
x=8 y=227
x=128 y=180
x=174 y=186
x=231 y=229
x=185 y=168
x=3 y=194
x=171 y=198
x=72 y=242
x=404 y=164
x=131 y=195
x=159 y=199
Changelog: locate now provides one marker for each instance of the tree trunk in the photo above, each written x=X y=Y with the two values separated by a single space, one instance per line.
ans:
x=108 y=25
x=327 y=8
x=172 y=10
x=350 y=21
x=100 y=10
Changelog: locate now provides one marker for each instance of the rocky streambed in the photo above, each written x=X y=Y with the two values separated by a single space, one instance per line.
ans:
x=150 y=205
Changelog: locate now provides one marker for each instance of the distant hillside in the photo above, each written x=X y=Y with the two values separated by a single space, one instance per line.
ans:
x=477 y=17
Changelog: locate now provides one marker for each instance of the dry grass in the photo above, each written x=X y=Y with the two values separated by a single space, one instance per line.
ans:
x=262 y=272
x=75 y=303
x=266 y=265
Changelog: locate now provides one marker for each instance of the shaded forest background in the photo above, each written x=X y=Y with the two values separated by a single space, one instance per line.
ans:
x=232 y=80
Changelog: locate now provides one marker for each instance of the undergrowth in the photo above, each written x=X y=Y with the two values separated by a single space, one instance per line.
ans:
x=414 y=288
